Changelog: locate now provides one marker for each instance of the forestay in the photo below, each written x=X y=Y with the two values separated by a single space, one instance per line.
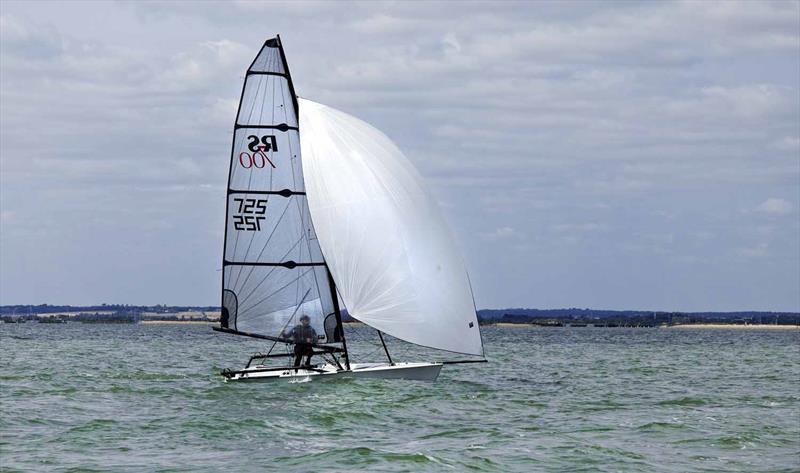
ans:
x=273 y=271
x=384 y=239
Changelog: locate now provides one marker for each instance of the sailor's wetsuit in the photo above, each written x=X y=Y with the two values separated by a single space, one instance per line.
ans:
x=303 y=336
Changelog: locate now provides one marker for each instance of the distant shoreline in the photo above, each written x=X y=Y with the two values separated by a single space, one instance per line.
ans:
x=677 y=326
x=502 y=317
x=699 y=326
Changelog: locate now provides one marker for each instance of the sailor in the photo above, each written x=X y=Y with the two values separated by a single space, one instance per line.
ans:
x=303 y=336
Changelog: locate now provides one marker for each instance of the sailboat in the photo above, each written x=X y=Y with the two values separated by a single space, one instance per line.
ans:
x=323 y=207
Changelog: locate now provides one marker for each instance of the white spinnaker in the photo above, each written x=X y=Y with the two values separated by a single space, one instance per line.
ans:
x=383 y=237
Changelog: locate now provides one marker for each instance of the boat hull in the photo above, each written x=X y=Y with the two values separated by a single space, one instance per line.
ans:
x=408 y=371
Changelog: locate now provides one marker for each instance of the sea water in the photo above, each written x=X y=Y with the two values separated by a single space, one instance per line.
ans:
x=85 y=397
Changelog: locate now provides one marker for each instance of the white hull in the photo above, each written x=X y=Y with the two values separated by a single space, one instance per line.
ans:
x=411 y=371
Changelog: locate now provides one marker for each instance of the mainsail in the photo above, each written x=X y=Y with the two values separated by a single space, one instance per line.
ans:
x=384 y=239
x=273 y=270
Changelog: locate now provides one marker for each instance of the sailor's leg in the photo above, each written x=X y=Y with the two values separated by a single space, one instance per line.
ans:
x=298 y=357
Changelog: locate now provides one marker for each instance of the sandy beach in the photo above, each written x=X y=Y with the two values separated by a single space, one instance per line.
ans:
x=177 y=322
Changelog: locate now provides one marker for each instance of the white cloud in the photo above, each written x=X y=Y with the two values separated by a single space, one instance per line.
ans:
x=383 y=24
x=775 y=207
x=758 y=251
x=208 y=64
x=788 y=143
x=751 y=101
x=7 y=217
x=33 y=42
x=588 y=227
x=502 y=233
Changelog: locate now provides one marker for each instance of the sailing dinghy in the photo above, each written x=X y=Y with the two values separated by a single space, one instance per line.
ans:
x=319 y=203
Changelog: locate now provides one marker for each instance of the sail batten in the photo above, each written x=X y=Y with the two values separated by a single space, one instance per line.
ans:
x=280 y=126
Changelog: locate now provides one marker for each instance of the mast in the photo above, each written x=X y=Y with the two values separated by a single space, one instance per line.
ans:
x=338 y=313
x=331 y=282
x=289 y=77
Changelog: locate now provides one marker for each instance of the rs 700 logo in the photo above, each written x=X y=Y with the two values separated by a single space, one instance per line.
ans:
x=259 y=146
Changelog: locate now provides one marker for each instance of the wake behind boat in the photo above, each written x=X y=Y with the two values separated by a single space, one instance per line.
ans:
x=349 y=216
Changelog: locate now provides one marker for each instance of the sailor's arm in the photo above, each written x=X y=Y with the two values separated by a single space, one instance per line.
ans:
x=312 y=335
x=285 y=334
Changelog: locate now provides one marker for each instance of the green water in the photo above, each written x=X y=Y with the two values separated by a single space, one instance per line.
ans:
x=147 y=398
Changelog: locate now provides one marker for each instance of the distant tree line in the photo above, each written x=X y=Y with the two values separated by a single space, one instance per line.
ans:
x=47 y=308
x=124 y=313
x=627 y=318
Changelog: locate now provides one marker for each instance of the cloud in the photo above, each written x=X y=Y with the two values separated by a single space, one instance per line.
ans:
x=758 y=251
x=788 y=143
x=751 y=101
x=588 y=227
x=383 y=24
x=7 y=217
x=556 y=127
x=775 y=207
x=205 y=66
x=26 y=40
x=502 y=233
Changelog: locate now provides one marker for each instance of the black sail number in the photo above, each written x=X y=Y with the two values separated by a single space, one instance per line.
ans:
x=250 y=214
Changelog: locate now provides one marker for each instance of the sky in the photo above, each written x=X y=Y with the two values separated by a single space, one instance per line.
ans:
x=610 y=155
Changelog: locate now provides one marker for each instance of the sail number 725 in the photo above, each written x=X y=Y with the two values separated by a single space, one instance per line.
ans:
x=251 y=213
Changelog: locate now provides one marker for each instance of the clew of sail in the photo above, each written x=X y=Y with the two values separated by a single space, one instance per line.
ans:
x=384 y=239
x=273 y=270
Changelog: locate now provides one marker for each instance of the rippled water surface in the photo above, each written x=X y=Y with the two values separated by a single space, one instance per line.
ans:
x=148 y=398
